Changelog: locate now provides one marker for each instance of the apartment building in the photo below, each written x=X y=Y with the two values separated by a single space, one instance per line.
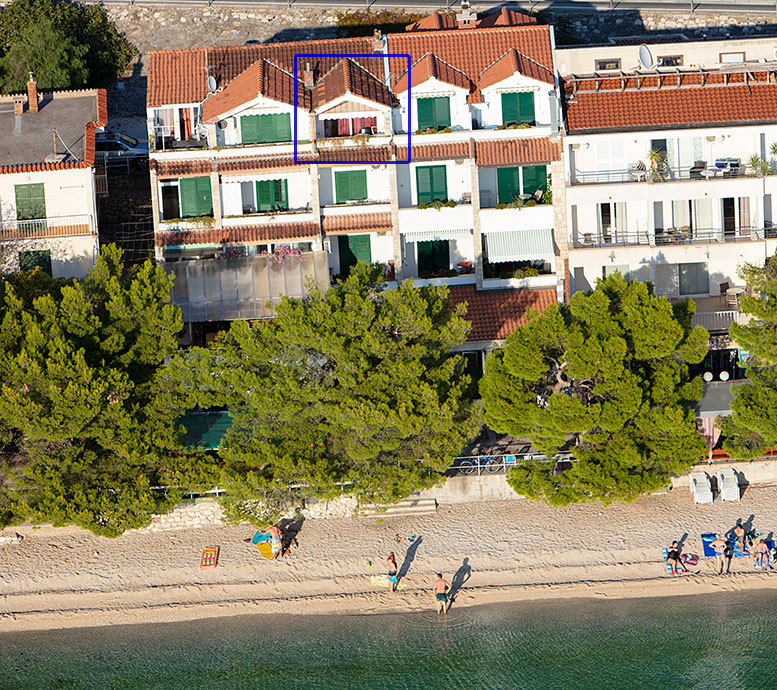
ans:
x=48 y=214
x=434 y=152
x=670 y=152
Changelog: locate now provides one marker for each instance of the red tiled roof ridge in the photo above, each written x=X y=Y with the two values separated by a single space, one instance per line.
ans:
x=429 y=62
x=459 y=32
x=513 y=53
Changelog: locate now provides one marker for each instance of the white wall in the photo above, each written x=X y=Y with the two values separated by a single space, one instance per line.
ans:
x=68 y=192
x=491 y=109
x=378 y=188
x=460 y=112
x=263 y=106
x=457 y=177
x=71 y=257
x=381 y=249
x=233 y=193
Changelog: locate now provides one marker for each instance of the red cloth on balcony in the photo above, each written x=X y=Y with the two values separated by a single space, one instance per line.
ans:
x=360 y=123
x=343 y=127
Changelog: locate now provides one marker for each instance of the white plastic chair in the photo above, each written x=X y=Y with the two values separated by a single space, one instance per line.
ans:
x=728 y=485
x=701 y=489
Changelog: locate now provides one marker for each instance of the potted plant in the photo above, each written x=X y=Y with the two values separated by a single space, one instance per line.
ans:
x=657 y=164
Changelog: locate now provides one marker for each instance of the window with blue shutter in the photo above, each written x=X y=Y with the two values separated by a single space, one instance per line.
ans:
x=434 y=112
x=350 y=185
x=431 y=183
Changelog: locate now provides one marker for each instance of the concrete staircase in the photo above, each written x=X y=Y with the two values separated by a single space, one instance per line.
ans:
x=407 y=506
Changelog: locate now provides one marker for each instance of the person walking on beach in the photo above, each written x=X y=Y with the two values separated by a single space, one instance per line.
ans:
x=276 y=541
x=719 y=547
x=392 y=571
x=440 y=589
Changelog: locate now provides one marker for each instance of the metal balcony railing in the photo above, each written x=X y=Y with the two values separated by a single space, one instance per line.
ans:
x=671 y=236
x=57 y=226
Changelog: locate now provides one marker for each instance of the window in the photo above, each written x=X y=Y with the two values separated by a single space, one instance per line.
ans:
x=272 y=195
x=610 y=64
x=609 y=269
x=354 y=248
x=350 y=186
x=612 y=217
x=507 y=184
x=30 y=260
x=534 y=177
x=196 y=199
x=669 y=61
x=431 y=183
x=171 y=204
x=434 y=112
x=433 y=257
x=30 y=201
x=265 y=129
x=694 y=279
x=732 y=57
x=517 y=108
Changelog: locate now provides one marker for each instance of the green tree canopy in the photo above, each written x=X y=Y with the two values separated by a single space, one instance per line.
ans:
x=65 y=44
x=87 y=408
x=752 y=428
x=605 y=377
x=355 y=385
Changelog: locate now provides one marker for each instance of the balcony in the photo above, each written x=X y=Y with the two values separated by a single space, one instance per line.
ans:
x=732 y=168
x=57 y=226
x=526 y=218
x=301 y=215
x=671 y=237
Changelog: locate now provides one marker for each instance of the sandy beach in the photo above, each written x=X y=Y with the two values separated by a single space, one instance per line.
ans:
x=495 y=551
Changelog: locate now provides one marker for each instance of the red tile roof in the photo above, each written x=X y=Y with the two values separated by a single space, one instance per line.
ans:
x=434 y=151
x=180 y=76
x=270 y=232
x=262 y=78
x=186 y=168
x=362 y=222
x=510 y=63
x=430 y=66
x=434 y=22
x=495 y=314
x=511 y=151
x=348 y=77
x=438 y=21
x=472 y=50
x=637 y=101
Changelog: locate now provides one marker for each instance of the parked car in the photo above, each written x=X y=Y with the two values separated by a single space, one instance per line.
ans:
x=117 y=147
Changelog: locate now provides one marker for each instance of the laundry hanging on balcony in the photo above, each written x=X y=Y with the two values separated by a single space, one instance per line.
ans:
x=429 y=235
x=519 y=245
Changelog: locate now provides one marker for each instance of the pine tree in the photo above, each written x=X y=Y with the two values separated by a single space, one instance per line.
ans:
x=605 y=378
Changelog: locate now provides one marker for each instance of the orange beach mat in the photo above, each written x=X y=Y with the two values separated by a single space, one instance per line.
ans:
x=210 y=557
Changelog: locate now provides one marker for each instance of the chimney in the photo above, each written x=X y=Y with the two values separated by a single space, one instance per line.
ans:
x=32 y=94
x=307 y=76
x=18 y=105
x=466 y=18
x=377 y=41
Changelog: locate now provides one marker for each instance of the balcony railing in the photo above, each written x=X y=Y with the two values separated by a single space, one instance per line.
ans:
x=58 y=226
x=674 y=174
x=716 y=321
x=671 y=236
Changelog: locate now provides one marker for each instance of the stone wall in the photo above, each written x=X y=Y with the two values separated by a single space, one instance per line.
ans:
x=186 y=516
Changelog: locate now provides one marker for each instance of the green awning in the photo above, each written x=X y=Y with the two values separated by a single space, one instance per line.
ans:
x=205 y=429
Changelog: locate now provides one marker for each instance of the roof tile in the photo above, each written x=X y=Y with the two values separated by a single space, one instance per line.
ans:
x=185 y=168
x=348 y=77
x=510 y=63
x=434 y=151
x=269 y=232
x=511 y=151
x=495 y=314
x=362 y=222
x=430 y=66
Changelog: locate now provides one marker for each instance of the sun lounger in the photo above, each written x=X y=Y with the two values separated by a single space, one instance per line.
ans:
x=728 y=485
x=701 y=490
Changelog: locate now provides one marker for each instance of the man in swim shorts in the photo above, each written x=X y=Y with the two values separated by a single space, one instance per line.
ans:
x=719 y=547
x=440 y=589
x=276 y=540
x=392 y=571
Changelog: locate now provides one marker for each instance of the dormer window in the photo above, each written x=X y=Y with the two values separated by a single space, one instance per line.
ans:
x=518 y=108
x=434 y=113
x=265 y=129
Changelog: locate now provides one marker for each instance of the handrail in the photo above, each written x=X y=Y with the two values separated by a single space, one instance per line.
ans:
x=52 y=226
x=670 y=236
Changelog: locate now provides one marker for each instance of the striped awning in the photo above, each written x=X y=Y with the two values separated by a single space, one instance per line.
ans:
x=519 y=245
x=427 y=235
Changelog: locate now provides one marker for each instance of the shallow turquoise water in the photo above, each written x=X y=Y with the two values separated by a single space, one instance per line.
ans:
x=713 y=641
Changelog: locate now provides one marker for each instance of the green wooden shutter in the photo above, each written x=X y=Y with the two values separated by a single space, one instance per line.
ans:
x=30 y=201
x=507 y=183
x=342 y=187
x=282 y=127
x=534 y=178
x=526 y=108
x=264 y=195
x=360 y=248
x=425 y=113
x=358 y=185
x=350 y=185
x=442 y=111
x=281 y=194
x=431 y=183
x=204 y=196
x=249 y=129
x=188 y=189
x=510 y=109
x=433 y=256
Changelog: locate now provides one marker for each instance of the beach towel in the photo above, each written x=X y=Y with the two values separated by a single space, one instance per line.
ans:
x=706 y=540
x=210 y=557
x=265 y=549
x=738 y=553
x=669 y=566
x=260 y=537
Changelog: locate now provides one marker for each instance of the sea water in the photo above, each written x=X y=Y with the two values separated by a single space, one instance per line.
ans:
x=726 y=640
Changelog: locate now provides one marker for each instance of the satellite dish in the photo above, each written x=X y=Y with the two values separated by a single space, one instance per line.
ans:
x=212 y=85
x=645 y=58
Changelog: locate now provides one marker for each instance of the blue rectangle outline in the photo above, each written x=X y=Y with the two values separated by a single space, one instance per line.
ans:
x=352 y=55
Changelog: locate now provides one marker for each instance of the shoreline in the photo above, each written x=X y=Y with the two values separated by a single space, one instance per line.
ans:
x=133 y=611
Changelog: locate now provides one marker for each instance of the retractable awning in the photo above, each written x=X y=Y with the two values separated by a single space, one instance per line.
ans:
x=519 y=245
x=428 y=235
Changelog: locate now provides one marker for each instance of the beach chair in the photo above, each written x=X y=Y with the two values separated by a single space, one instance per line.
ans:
x=728 y=485
x=701 y=490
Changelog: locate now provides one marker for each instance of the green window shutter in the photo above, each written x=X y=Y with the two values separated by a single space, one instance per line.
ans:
x=431 y=183
x=433 y=256
x=425 y=113
x=188 y=189
x=249 y=129
x=204 y=196
x=282 y=127
x=281 y=194
x=442 y=111
x=30 y=201
x=534 y=178
x=350 y=185
x=30 y=260
x=360 y=248
x=510 y=109
x=507 y=184
x=264 y=195
x=526 y=108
